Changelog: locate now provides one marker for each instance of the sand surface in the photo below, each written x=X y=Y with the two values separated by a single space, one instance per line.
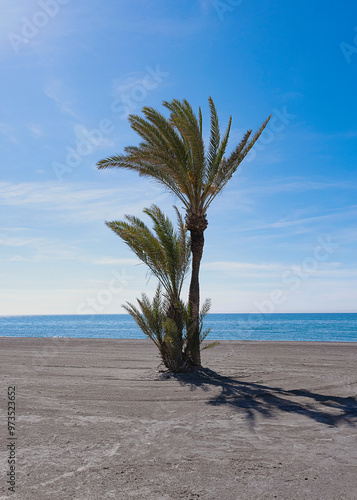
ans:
x=265 y=420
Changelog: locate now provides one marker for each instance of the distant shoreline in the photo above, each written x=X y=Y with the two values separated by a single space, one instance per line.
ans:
x=209 y=314
x=221 y=341
x=286 y=327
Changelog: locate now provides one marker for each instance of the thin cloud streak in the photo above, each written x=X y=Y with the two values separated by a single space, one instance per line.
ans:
x=238 y=266
x=8 y=132
x=282 y=223
x=54 y=89
x=112 y=261
x=77 y=203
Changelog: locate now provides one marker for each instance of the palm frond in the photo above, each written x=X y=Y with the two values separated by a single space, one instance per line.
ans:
x=206 y=306
x=227 y=167
x=150 y=318
x=165 y=251
x=210 y=345
x=172 y=153
x=145 y=246
x=213 y=168
x=200 y=119
x=253 y=140
x=162 y=145
x=214 y=135
x=186 y=122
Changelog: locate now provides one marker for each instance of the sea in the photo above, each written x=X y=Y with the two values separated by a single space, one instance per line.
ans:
x=330 y=327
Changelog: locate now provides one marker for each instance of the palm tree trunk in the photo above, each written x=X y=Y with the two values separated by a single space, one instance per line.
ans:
x=193 y=345
x=176 y=316
x=196 y=224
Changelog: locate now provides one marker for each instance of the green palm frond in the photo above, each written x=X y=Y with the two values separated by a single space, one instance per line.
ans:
x=151 y=316
x=200 y=119
x=144 y=244
x=203 y=313
x=165 y=251
x=162 y=145
x=188 y=320
x=173 y=154
x=186 y=122
x=206 y=306
x=215 y=137
x=227 y=167
x=210 y=345
x=169 y=133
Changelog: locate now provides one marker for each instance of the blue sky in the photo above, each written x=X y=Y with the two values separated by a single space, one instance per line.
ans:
x=282 y=237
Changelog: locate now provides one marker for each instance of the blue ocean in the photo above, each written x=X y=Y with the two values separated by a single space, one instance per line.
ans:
x=292 y=327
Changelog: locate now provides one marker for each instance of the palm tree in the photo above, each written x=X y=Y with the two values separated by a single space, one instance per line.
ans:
x=167 y=254
x=173 y=153
x=152 y=318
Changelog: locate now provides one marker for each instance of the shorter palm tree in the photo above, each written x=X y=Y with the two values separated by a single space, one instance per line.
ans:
x=153 y=319
x=166 y=252
x=166 y=320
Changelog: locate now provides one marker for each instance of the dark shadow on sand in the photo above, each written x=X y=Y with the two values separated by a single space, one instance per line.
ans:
x=268 y=401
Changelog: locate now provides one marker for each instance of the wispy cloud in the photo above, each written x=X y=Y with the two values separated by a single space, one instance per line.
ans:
x=83 y=134
x=19 y=242
x=111 y=261
x=35 y=129
x=49 y=255
x=37 y=249
x=344 y=213
x=273 y=272
x=78 y=203
x=238 y=266
x=55 y=90
x=296 y=185
x=37 y=193
x=127 y=82
x=245 y=193
x=8 y=132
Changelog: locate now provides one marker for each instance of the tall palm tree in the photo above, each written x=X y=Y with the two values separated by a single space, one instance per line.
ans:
x=173 y=153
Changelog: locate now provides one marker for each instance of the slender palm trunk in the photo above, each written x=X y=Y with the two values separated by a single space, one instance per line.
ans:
x=176 y=316
x=193 y=346
x=196 y=224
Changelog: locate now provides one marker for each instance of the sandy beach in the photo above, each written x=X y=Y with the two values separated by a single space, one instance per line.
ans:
x=95 y=419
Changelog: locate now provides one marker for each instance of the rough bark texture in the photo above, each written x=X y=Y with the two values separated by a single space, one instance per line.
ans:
x=174 y=356
x=196 y=224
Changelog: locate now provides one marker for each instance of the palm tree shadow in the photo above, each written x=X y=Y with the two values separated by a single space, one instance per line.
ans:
x=256 y=399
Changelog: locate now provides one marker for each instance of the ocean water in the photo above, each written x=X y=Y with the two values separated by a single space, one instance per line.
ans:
x=298 y=327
